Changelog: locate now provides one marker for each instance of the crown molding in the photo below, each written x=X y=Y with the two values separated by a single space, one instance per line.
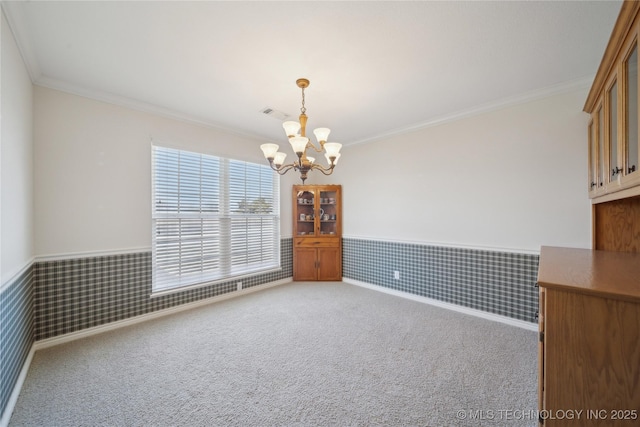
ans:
x=533 y=95
x=123 y=101
x=14 y=14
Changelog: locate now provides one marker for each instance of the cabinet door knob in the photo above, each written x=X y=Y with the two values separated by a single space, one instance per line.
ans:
x=615 y=171
x=632 y=168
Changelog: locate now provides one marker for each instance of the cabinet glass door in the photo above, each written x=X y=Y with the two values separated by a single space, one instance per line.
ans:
x=328 y=213
x=305 y=212
x=631 y=140
x=592 y=158
x=612 y=105
x=602 y=173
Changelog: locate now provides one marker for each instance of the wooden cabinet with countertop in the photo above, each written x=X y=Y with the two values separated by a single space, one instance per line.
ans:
x=589 y=337
x=589 y=315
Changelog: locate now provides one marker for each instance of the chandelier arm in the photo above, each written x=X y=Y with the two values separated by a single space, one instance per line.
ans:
x=326 y=171
x=312 y=145
x=284 y=168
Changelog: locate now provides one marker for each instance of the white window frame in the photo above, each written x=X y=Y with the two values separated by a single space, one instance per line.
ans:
x=214 y=219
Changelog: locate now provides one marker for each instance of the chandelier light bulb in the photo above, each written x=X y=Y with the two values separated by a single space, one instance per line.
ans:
x=299 y=144
x=332 y=148
x=279 y=158
x=322 y=134
x=269 y=150
x=335 y=161
x=291 y=128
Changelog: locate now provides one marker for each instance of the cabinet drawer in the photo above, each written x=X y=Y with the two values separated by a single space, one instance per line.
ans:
x=316 y=242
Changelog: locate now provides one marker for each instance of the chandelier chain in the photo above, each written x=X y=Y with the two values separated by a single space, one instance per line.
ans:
x=303 y=110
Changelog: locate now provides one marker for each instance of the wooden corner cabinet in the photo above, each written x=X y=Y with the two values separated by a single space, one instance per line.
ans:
x=317 y=232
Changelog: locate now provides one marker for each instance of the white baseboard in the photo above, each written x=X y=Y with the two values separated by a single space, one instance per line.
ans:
x=473 y=312
x=13 y=399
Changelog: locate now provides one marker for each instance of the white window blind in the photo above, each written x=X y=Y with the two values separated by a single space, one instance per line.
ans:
x=213 y=218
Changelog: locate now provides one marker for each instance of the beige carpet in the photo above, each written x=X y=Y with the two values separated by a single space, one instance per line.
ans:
x=300 y=354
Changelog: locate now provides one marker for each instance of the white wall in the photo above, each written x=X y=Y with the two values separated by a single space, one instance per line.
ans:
x=16 y=160
x=511 y=179
x=508 y=179
x=93 y=171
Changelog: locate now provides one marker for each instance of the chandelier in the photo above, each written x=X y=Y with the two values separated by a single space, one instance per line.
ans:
x=300 y=143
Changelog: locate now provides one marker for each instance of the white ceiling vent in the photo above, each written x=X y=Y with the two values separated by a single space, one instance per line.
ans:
x=275 y=113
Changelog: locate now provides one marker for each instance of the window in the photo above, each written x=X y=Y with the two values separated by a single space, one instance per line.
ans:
x=213 y=218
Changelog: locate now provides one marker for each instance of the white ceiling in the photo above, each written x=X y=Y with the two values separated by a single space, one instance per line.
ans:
x=376 y=68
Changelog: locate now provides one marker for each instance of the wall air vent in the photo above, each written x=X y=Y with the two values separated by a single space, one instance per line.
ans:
x=272 y=112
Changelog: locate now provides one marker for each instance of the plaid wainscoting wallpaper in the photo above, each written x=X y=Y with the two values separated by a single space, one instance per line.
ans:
x=496 y=282
x=80 y=293
x=16 y=331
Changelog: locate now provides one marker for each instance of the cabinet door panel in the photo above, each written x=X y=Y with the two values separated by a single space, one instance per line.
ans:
x=591 y=353
x=612 y=135
x=602 y=171
x=541 y=318
x=329 y=264
x=304 y=213
x=593 y=155
x=631 y=140
x=304 y=264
